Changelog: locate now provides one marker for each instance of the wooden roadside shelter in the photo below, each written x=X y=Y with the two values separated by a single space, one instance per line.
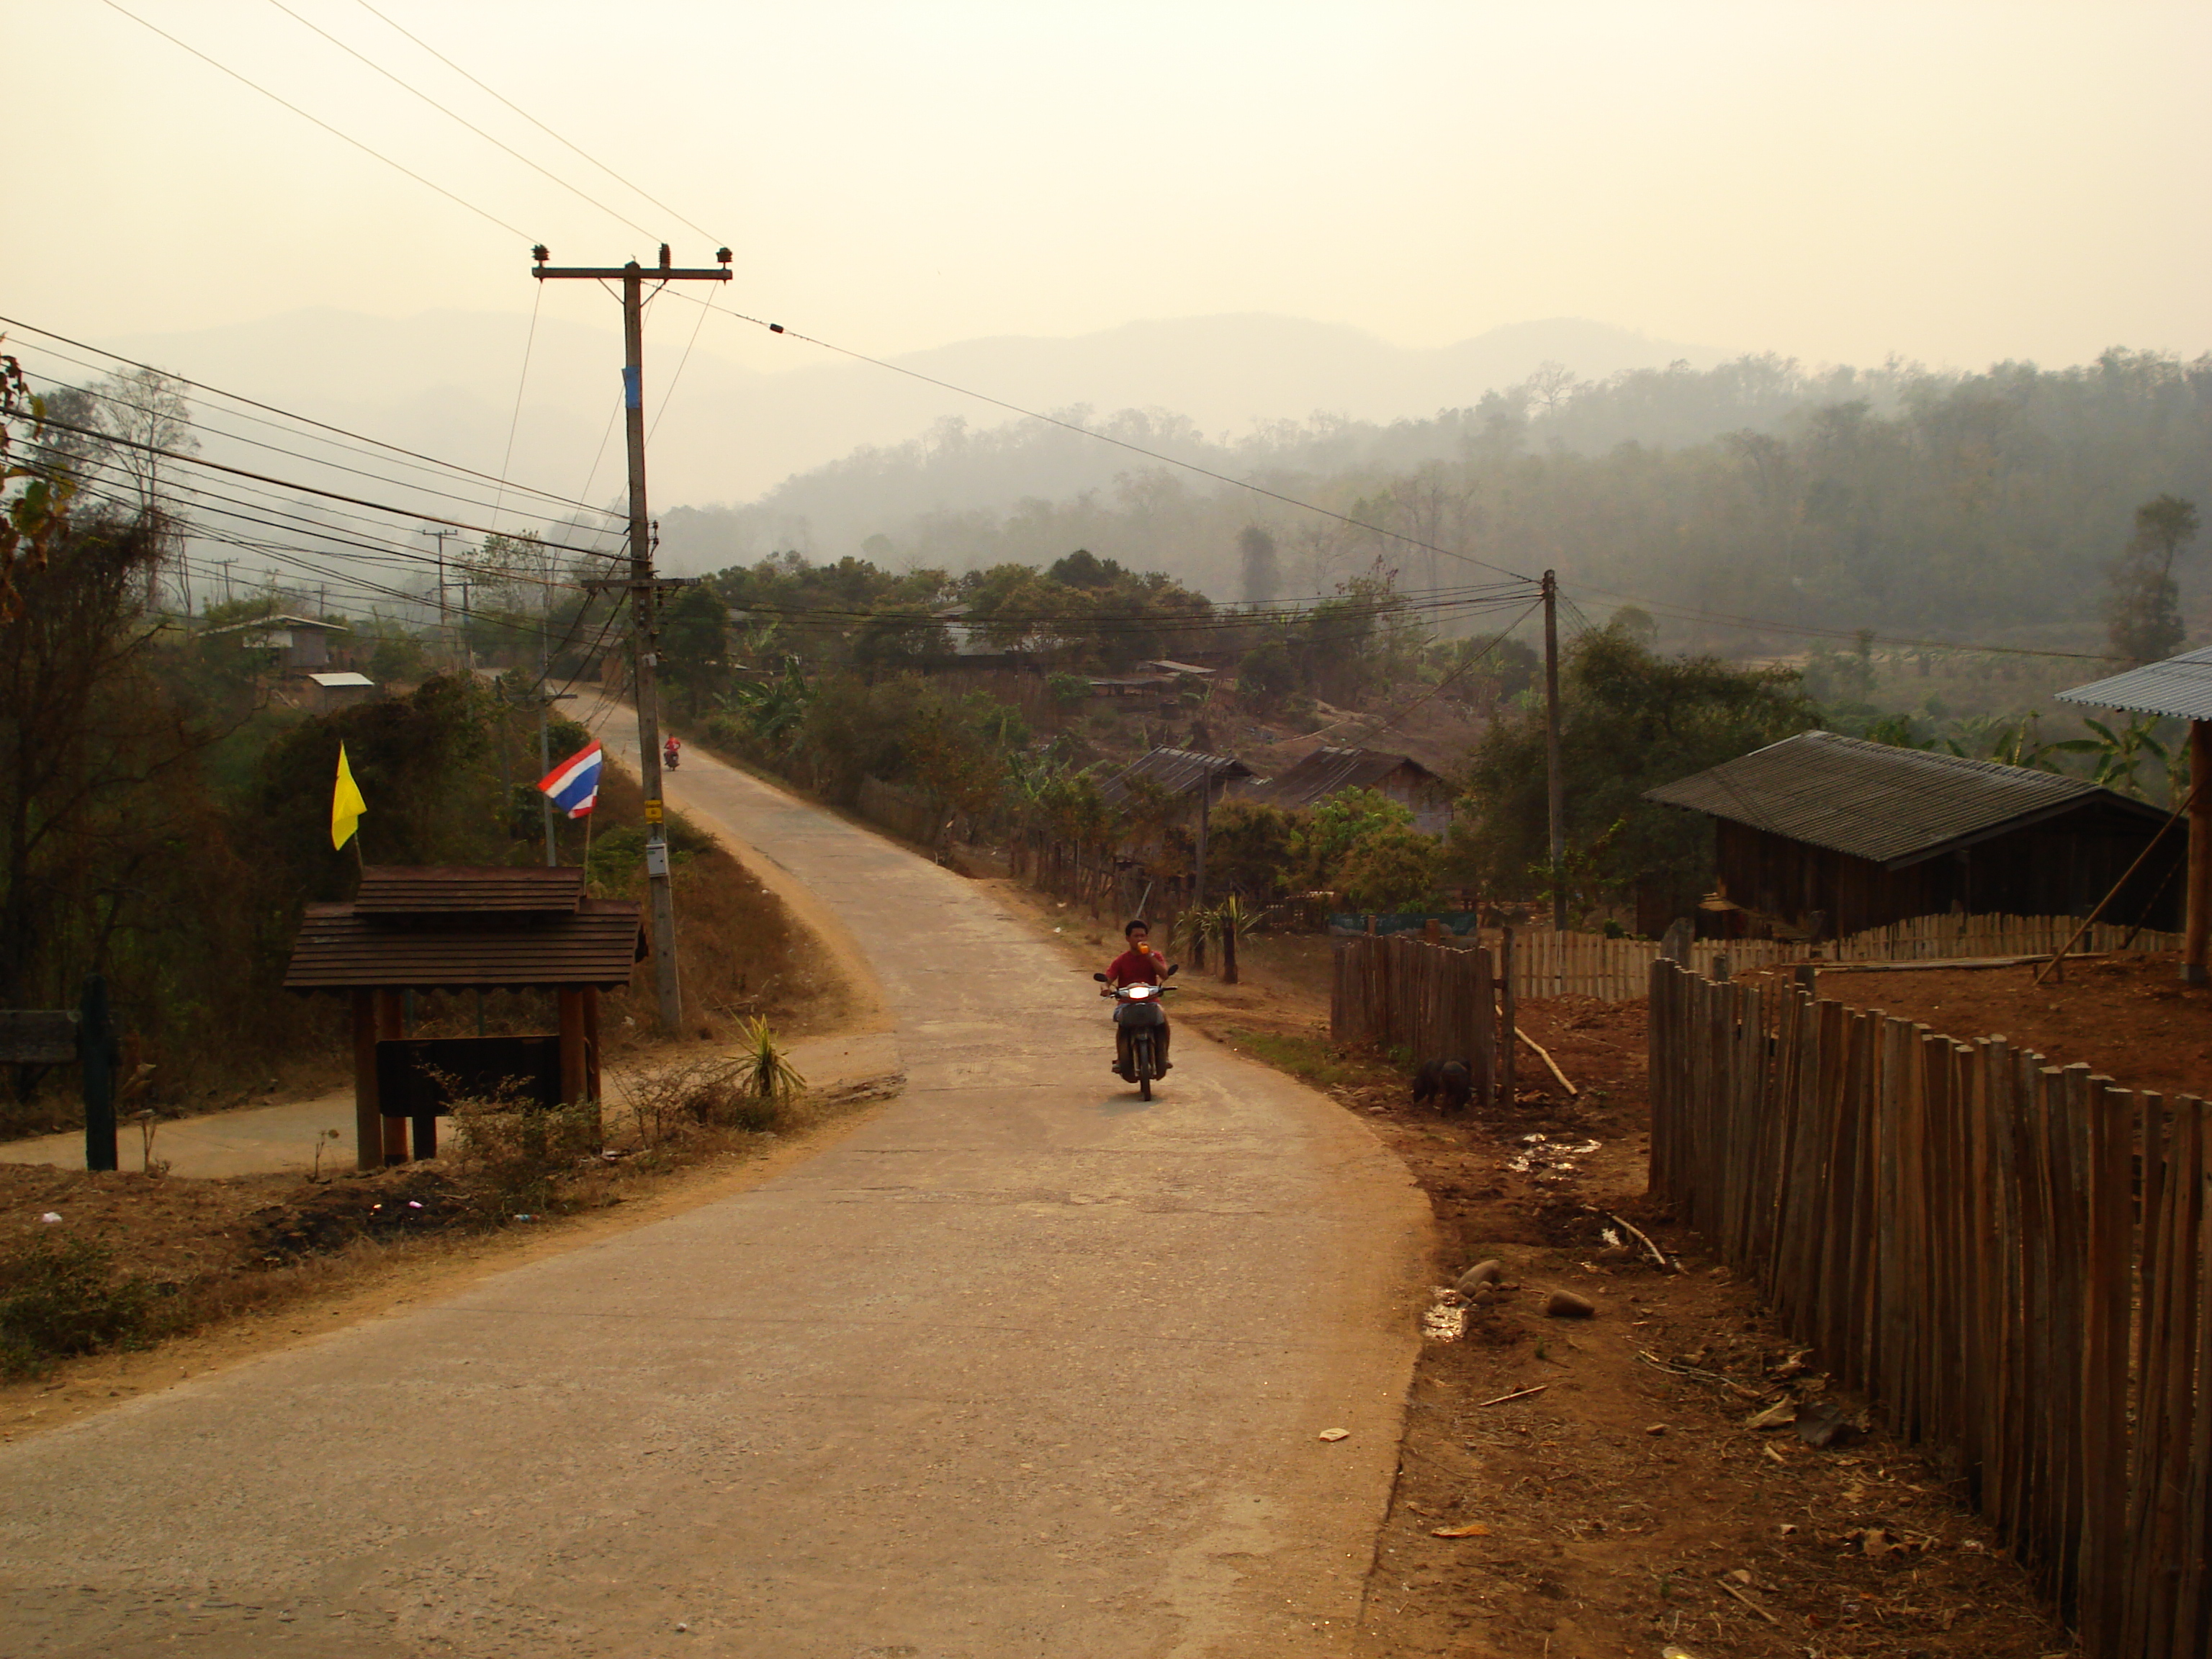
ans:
x=464 y=927
x=2179 y=688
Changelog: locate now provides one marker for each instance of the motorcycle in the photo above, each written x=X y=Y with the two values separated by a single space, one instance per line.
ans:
x=1139 y=1014
x=671 y=759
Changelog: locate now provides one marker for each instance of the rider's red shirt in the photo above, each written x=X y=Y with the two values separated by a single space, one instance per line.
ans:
x=1138 y=966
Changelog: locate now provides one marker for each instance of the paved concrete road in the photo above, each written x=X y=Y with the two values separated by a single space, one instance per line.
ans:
x=270 y=1140
x=1021 y=1367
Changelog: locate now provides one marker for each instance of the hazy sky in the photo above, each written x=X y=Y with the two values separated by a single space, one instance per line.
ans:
x=1951 y=182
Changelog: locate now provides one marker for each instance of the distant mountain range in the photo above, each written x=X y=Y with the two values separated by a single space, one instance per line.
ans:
x=444 y=382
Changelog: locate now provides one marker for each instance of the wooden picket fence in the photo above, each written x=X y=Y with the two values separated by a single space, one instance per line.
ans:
x=1922 y=938
x=1436 y=1001
x=1548 y=965
x=2009 y=1257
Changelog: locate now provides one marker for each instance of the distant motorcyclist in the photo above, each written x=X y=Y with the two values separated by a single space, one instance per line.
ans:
x=1139 y=965
x=672 y=754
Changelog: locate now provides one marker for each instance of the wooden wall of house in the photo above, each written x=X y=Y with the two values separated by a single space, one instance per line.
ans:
x=2060 y=867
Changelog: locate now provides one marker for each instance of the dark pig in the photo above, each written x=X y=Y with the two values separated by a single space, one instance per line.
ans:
x=1446 y=1082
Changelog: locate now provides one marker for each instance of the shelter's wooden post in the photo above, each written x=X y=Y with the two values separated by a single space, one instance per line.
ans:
x=573 y=1074
x=368 y=1123
x=2199 y=925
x=591 y=1041
x=392 y=1130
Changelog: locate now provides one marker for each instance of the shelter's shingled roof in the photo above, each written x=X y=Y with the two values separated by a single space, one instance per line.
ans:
x=2180 y=686
x=400 y=889
x=1178 y=771
x=460 y=926
x=337 y=950
x=1894 y=806
x=1325 y=771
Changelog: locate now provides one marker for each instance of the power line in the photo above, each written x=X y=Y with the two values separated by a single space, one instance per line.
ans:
x=539 y=124
x=464 y=120
x=488 y=217
x=291 y=484
x=522 y=382
x=1464 y=668
x=303 y=420
x=1691 y=613
x=1119 y=443
x=278 y=449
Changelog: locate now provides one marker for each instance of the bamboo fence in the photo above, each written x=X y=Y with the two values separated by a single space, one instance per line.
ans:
x=1550 y=964
x=2010 y=1257
x=1436 y=1001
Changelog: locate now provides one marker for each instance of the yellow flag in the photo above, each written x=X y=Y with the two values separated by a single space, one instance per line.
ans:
x=346 y=805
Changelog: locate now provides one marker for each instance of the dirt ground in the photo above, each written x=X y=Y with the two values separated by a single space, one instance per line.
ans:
x=2129 y=1016
x=1610 y=1497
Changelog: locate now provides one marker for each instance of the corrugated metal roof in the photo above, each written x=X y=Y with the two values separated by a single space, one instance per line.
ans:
x=1326 y=771
x=279 y=620
x=431 y=890
x=1177 y=770
x=339 y=950
x=2180 y=686
x=339 y=682
x=1872 y=801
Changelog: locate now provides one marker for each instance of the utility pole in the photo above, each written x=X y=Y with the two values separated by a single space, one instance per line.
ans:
x=445 y=631
x=644 y=589
x=546 y=733
x=1555 y=785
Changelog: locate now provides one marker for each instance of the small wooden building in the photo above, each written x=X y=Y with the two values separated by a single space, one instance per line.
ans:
x=301 y=644
x=1189 y=780
x=1327 y=771
x=465 y=927
x=1827 y=835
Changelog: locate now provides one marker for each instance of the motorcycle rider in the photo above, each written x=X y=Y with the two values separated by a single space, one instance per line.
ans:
x=1139 y=965
x=672 y=753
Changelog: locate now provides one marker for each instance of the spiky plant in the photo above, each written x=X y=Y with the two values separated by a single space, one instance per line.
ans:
x=762 y=1067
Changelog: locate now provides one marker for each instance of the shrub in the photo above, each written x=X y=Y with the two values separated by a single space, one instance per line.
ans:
x=509 y=1157
x=1393 y=868
x=62 y=1296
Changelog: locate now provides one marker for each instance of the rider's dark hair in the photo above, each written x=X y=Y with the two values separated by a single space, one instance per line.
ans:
x=1133 y=926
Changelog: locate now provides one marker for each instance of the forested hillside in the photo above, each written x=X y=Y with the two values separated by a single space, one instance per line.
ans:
x=1983 y=505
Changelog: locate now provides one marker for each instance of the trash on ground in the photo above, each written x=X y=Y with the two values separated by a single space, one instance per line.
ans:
x=1336 y=1434
x=1446 y=1319
x=1472 y=1529
x=50 y=1216
x=1547 y=1158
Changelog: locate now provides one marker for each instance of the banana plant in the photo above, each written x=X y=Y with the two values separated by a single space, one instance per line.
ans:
x=2120 y=755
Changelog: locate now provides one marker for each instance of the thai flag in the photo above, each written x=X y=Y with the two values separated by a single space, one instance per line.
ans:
x=575 y=783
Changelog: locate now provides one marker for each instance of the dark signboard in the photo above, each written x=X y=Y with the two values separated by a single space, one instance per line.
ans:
x=420 y=1077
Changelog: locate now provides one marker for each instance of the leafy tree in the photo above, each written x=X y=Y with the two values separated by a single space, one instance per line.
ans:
x=1252 y=847
x=1392 y=867
x=694 y=645
x=2142 y=612
x=1631 y=719
x=1338 y=824
x=1256 y=553
x=900 y=633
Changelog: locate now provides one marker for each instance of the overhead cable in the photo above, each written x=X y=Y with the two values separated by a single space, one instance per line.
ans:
x=459 y=200
x=303 y=420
